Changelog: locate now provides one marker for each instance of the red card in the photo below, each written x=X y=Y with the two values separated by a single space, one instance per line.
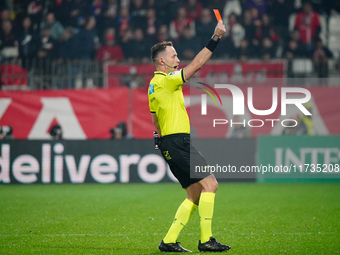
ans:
x=217 y=14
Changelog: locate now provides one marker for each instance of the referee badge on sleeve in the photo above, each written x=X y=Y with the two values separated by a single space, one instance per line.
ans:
x=151 y=89
x=176 y=72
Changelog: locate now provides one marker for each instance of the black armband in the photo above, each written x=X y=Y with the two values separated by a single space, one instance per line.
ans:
x=212 y=44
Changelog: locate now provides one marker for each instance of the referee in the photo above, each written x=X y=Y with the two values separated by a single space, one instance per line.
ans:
x=171 y=121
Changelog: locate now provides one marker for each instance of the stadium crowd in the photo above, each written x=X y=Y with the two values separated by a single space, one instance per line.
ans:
x=36 y=32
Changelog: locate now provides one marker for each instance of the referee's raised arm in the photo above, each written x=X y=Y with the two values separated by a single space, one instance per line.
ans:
x=203 y=56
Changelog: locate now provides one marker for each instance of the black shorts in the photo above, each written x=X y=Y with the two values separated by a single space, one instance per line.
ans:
x=182 y=158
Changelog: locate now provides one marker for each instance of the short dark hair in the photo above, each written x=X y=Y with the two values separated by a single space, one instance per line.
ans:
x=157 y=48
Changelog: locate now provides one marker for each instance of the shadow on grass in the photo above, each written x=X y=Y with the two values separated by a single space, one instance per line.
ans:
x=103 y=250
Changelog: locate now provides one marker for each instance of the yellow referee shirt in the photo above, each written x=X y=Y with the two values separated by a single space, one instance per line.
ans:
x=167 y=101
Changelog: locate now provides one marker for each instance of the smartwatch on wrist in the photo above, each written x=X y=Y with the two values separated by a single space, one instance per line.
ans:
x=215 y=38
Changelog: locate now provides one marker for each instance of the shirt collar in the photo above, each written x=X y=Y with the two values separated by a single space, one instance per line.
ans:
x=161 y=73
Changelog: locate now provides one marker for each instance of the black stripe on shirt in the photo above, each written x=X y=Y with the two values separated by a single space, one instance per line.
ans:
x=161 y=74
x=182 y=74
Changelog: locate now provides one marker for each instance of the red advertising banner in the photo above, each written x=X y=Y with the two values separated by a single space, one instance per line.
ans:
x=82 y=114
x=90 y=114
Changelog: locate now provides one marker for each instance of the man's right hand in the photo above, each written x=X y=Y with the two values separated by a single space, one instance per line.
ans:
x=220 y=29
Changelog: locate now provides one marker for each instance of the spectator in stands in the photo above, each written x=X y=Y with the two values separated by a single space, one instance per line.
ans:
x=68 y=59
x=320 y=57
x=188 y=45
x=235 y=31
x=127 y=45
x=244 y=52
x=76 y=11
x=293 y=50
x=87 y=40
x=110 y=51
x=163 y=33
x=265 y=29
x=59 y=8
x=280 y=11
x=295 y=35
x=193 y=9
x=8 y=43
x=97 y=8
x=307 y=22
x=47 y=49
x=180 y=23
x=204 y=26
x=28 y=43
x=257 y=8
x=124 y=20
x=258 y=29
x=5 y=15
x=225 y=50
x=87 y=44
x=150 y=4
x=248 y=26
x=268 y=30
x=68 y=45
x=141 y=46
x=47 y=46
x=268 y=50
x=54 y=26
x=110 y=13
x=256 y=41
x=318 y=5
x=152 y=23
x=35 y=12
x=138 y=12
x=162 y=11
x=171 y=8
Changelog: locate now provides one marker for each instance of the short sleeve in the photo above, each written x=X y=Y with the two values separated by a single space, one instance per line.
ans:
x=152 y=110
x=174 y=80
x=151 y=92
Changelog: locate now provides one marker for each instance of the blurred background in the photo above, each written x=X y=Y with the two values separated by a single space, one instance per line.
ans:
x=56 y=44
x=75 y=74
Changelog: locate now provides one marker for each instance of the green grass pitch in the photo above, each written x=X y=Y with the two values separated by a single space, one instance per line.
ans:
x=289 y=218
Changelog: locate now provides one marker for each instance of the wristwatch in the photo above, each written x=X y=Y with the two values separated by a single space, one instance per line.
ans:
x=215 y=38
